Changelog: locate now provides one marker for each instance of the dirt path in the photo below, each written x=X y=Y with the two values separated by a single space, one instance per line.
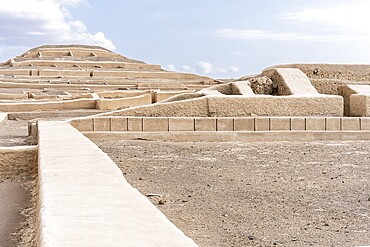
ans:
x=255 y=194
x=12 y=199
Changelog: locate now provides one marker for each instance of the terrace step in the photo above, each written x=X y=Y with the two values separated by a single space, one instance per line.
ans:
x=52 y=73
x=36 y=63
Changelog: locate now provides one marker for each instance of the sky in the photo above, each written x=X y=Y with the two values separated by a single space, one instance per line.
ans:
x=217 y=38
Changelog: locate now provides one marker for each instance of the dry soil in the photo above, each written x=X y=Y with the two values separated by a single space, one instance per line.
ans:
x=17 y=194
x=255 y=194
x=12 y=199
x=18 y=211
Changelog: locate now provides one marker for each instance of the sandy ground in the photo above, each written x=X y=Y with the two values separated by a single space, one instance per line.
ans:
x=13 y=199
x=18 y=198
x=25 y=233
x=18 y=211
x=255 y=194
x=17 y=194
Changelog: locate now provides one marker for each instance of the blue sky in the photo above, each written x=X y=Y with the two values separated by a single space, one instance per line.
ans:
x=218 y=38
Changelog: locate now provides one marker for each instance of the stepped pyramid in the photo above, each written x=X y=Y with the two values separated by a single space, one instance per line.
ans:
x=55 y=73
x=92 y=65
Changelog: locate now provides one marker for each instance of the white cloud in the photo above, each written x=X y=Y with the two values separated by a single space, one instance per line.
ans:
x=72 y=3
x=343 y=22
x=187 y=69
x=36 y=22
x=353 y=15
x=208 y=68
x=170 y=67
x=233 y=69
x=203 y=68
x=258 y=34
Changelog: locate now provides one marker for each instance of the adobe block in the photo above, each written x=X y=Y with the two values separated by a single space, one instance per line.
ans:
x=279 y=123
x=155 y=124
x=205 y=124
x=262 y=124
x=101 y=124
x=365 y=123
x=118 y=124
x=350 y=123
x=83 y=124
x=244 y=124
x=298 y=123
x=135 y=124
x=315 y=123
x=181 y=124
x=225 y=124
x=332 y=124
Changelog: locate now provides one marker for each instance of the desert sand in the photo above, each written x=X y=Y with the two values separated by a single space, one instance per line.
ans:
x=255 y=194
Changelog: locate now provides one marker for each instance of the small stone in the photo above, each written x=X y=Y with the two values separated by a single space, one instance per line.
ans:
x=161 y=202
x=250 y=237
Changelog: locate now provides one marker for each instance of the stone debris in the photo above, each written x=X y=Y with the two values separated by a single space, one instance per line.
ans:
x=263 y=85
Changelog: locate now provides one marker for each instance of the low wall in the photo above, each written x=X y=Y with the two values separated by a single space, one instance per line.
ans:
x=144 y=74
x=16 y=162
x=354 y=108
x=238 y=124
x=330 y=86
x=15 y=72
x=53 y=114
x=241 y=88
x=69 y=73
x=114 y=104
x=226 y=89
x=225 y=136
x=344 y=72
x=183 y=96
x=43 y=97
x=184 y=108
x=49 y=106
x=8 y=96
x=264 y=105
x=163 y=95
x=241 y=106
x=84 y=200
x=360 y=105
x=55 y=52
x=290 y=81
x=89 y=64
x=61 y=86
x=120 y=93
